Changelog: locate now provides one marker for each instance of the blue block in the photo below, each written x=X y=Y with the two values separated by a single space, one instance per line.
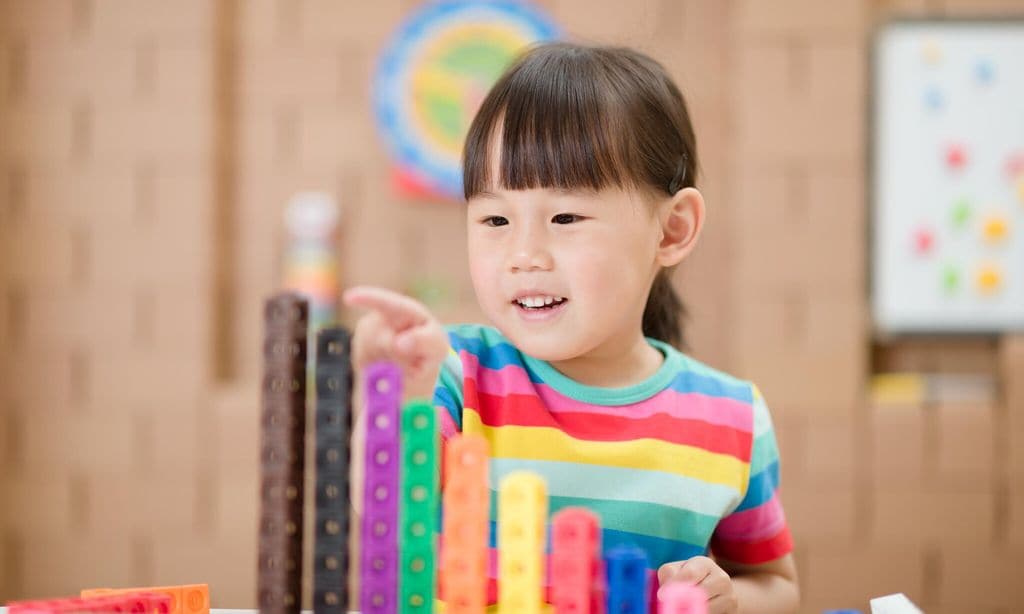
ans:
x=626 y=569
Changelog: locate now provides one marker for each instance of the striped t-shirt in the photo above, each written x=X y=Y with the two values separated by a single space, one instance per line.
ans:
x=679 y=464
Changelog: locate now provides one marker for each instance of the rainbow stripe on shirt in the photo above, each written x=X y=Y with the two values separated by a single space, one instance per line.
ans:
x=681 y=464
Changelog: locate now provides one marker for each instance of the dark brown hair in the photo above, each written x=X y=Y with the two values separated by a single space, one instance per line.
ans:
x=579 y=117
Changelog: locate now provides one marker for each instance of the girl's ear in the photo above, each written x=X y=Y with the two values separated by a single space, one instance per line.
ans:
x=682 y=218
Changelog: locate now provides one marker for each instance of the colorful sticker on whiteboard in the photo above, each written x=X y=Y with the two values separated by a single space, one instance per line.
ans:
x=433 y=76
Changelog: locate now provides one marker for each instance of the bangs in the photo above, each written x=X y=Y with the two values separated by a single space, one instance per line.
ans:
x=557 y=119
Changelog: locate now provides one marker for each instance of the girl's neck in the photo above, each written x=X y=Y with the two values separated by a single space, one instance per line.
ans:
x=613 y=365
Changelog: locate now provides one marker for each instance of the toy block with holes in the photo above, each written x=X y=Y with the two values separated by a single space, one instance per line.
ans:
x=682 y=598
x=627 y=580
x=333 y=437
x=127 y=602
x=522 y=515
x=379 y=557
x=182 y=599
x=464 y=558
x=282 y=453
x=418 y=509
x=575 y=561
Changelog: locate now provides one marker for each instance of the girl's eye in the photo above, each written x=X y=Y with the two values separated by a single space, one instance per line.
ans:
x=495 y=220
x=566 y=218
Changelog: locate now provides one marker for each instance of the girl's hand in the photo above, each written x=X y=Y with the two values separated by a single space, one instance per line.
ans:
x=705 y=573
x=400 y=330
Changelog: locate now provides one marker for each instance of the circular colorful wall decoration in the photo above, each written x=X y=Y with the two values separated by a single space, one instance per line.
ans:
x=433 y=76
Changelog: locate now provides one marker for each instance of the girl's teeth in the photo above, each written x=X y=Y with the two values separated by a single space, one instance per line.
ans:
x=538 y=301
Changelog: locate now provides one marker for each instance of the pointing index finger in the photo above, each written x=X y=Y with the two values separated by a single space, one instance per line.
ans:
x=398 y=310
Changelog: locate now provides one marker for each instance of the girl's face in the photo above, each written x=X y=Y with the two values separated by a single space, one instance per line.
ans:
x=563 y=273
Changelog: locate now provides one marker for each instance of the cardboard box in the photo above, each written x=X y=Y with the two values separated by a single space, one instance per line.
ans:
x=55 y=135
x=898 y=447
x=327 y=22
x=966 y=445
x=836 y=452
x=319 y=77
x=980 y=576
x=62 y=565
x=40 y=503
x=824 y=515
x=123 y=503
x=54 y=19
x=840 y=577
x=785 y=215
x=126 y=134
x=779 y=118
x=172 y=439
x=1011 y=366
x=93 y=70
x=326 y=136
x=233 y=419
x=609 y=21
x=121 y=19
x=225 y=564
x=933 y=516
x=1015 y=525
x=37 y=378
x=82 y=442
x=802 y=18
x=807 y=355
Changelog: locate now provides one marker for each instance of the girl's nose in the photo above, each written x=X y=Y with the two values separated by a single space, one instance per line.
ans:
x=529 y=253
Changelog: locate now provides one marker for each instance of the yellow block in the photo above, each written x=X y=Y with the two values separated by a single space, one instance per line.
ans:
x=898 y=389
x=522 y=516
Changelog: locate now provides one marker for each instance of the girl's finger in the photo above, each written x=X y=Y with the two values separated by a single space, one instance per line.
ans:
x=422 y=341
x=695 y=571
x=398 y=310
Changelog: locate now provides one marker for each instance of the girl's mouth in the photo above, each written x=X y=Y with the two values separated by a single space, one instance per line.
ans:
x=538 y=308
x=539 y=303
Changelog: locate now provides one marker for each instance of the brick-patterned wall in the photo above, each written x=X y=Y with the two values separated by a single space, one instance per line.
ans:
x=105 y=236
x=918 y=499
x=147 y=151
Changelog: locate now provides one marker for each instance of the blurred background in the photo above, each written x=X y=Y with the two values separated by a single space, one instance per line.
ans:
x=149 y=152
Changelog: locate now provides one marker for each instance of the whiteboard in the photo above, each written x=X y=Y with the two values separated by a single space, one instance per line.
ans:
x=947 y=164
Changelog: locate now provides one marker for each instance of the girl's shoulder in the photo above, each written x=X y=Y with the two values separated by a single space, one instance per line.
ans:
x=694 y=375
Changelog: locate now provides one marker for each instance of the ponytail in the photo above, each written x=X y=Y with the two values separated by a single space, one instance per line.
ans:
x=665 y=312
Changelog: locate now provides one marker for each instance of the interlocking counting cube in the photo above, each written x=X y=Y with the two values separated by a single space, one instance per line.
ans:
x=181 y=599
x=282 y=452
x=418 y=512
x=333 y=439
x=627 y=580
x=379 y=568
x=575 y=550
x=522 y=512
x=99 y=601
x=682 y=598
x=466 y=517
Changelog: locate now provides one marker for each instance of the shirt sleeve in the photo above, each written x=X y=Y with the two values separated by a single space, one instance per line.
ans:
x=756 y=531
x=448 y=397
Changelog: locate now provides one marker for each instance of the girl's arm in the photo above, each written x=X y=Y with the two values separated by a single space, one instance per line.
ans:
x=397 y=329
x=769 y=587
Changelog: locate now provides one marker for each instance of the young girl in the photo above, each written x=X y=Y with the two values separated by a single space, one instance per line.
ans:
x=579 y=181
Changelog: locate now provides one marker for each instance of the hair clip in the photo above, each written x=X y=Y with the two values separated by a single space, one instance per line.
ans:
x=677 y=181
